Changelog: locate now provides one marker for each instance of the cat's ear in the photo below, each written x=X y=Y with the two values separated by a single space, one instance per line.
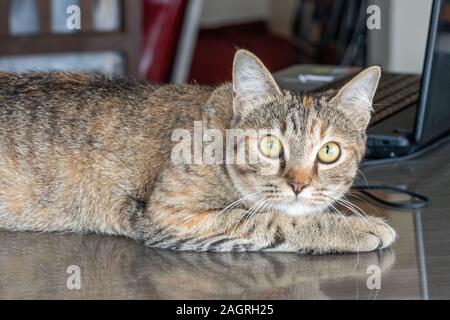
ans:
x=252 y=82
x=356 y=97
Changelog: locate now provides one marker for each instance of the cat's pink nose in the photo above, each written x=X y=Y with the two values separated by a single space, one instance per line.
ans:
x=297 y=187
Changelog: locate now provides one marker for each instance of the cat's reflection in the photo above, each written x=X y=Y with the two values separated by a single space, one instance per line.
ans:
x=34 y=266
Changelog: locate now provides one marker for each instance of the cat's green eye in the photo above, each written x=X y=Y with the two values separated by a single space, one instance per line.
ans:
x=270 y=146
x=329 y=153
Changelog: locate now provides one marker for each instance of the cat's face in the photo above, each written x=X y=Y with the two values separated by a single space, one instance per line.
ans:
x=308 y=147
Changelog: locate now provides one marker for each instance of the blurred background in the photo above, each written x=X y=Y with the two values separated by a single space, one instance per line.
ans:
x=182 y=41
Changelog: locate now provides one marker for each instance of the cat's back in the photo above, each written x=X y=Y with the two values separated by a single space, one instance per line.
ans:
x=34 y=98
x=43 y=114
x=61 y=92
x=73 y=147
x=58 y=102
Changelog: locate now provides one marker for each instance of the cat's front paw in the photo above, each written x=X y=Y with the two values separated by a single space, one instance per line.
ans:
x=374 y=234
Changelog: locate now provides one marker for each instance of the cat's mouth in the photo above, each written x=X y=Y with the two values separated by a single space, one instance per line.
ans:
x=303 y=201
x=299 y=206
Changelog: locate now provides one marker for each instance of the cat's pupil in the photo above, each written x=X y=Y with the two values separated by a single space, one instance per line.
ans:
x=269 y=142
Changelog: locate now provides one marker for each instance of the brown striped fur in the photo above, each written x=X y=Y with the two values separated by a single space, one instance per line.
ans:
x=89 y=153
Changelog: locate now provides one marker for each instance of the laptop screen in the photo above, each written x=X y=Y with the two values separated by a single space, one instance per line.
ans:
x=433 y=117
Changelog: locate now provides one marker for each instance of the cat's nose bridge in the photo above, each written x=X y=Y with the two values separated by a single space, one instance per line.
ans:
x=300 y=175
x=300 y=155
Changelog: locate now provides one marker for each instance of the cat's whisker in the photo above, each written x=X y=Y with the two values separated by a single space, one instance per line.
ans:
x=353 y=234
x=267 y=204
x=364 y=177
x=354 y=209
x=331 y=206
x=357 y=252
x=345 y=220
x=269 y=213
x=235 y=203
x=354 y=205
x=259 y=208
x=342 y=200
x=364 y=200
x=243 y=215
x=228 y=207
x=364 y=214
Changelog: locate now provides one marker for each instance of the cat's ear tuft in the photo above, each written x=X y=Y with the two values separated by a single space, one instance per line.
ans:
x=356 y=97
x=252 y=82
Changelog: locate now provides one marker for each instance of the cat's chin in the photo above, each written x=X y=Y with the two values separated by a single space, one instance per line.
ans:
x=298 y=208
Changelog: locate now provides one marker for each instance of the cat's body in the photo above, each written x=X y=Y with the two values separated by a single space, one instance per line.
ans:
x=93 y=154
x=84 y=148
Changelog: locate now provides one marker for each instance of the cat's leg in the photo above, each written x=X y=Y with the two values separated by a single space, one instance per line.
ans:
x=233 y=231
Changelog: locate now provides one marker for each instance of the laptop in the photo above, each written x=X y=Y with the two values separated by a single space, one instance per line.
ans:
x=411 y=111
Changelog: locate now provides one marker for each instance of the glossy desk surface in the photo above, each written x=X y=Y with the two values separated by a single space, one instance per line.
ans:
x=35 y=265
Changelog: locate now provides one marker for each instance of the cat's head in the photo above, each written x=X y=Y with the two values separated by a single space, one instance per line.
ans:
x=316 y=141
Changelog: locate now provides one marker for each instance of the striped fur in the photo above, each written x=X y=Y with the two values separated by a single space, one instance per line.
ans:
x=89 y=153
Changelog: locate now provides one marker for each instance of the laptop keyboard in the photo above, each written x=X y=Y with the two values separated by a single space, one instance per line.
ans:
x=395 y=93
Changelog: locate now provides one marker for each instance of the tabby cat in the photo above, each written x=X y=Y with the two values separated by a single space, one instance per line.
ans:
x=89 y=153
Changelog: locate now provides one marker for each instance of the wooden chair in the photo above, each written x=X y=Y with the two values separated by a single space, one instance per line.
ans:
x=125 y=41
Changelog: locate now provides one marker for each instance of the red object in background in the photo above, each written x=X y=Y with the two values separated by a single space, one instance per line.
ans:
x=162 y=20
x=213 y=57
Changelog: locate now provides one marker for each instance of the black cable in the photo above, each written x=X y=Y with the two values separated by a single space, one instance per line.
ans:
x=417 y=200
